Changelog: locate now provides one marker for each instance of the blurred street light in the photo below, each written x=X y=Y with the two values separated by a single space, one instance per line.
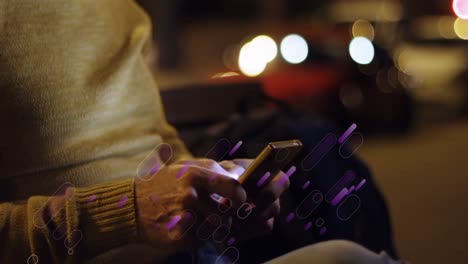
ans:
x=460 y=7
x=361 y=50
x=294 y=49
x=362 y=28
x=266 y=47
x=461 y=28
x=256 y=54
x=251 y=63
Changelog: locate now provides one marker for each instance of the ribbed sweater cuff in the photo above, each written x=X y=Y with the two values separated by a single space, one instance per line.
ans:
x=107 y=215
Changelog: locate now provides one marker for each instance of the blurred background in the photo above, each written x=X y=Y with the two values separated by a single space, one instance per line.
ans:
x=398 y=69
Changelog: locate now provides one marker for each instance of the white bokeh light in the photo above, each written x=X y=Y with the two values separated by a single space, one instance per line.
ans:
x=460 y=7
x=294 y=49
x=266 y=47
x=361 y=50
x=251 y=63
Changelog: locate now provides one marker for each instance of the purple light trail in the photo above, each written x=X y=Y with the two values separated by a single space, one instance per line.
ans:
x=288 y=174
x=155 y=168
x=291 y=171
x=173 y=222
x=182 y=171
x=306 y=184
x=263 y=179
x=360 y=184
x=346 y=134
x=122 y=201
x=339 y=196
x=346 y=180
x=235 y=148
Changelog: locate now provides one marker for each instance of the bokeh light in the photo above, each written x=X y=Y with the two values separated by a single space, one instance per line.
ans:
x=251 y=63
x=256 y=54
x=266 y=47
x=294 y=49
x=461 y=28
x=361 y=50
x=224 y=75
x=445 y=26
x=362 y=28
x=460 y=7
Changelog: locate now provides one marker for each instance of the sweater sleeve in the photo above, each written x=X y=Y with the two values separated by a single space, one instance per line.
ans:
x=58 y=229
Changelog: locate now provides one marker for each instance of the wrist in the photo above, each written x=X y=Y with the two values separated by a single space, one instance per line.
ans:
x=108 y=217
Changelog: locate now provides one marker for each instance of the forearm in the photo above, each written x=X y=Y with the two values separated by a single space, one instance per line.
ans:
x=82 y=222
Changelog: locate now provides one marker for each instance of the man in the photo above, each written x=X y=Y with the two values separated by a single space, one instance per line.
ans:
x=79 y=106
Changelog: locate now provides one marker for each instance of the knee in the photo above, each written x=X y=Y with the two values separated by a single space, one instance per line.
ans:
x=340 y=245
x=344 y=251
x=331 y=252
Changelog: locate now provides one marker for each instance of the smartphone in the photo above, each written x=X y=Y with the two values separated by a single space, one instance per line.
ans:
x=273 y=158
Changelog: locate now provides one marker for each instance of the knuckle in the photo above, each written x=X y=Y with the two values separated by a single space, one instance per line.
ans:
x=180 y=162
x=275 y=209
x=191 y=175
x=189 y=195
x=207 y=162
x=269 y=195
x=211 y=162
x=287 y=183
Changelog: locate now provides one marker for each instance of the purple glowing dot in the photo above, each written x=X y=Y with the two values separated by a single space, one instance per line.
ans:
x=122 y=201
x=92 y=198
x=290 y=217
x=307 y=226
x=323 y=230
x=231 y=241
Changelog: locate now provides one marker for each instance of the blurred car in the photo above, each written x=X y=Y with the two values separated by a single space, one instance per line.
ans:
x=328 y=81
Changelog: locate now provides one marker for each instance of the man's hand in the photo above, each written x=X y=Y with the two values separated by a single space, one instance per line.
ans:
x=267 y=204
x=173 y=202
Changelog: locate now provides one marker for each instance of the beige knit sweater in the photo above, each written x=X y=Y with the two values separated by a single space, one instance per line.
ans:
x=77 y=105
